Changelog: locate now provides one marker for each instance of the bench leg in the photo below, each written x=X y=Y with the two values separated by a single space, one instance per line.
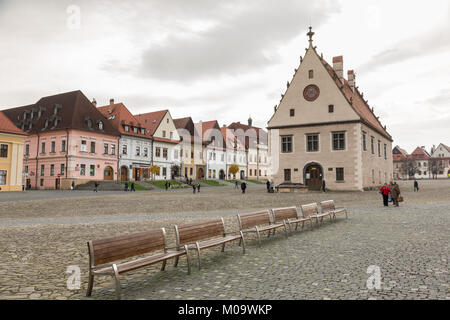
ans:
x=117 y=278
x=175 y=264
x=243 y=242
x=90 y=284
x=188 y=258
x=270 y=232
x=285 y=229
x=198 y=253
x=163 y=267
x=346 y=217
x=259 y=237
x=223 y=247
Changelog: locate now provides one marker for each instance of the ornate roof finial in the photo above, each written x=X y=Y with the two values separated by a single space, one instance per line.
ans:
x=310 y=35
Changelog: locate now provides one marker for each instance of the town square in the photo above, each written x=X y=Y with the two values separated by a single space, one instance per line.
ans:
x=209 y=151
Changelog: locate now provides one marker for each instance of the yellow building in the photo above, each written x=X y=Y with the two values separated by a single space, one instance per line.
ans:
x=11 y=155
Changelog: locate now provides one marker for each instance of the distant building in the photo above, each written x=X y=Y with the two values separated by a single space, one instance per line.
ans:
x=69 y=141
x=216 y=151
x=421 y=158
x=400 y=157
x=166 y=142
x=440 y=161
x=255 y=141
x=324 y=130
x=11 y=155
x=235 y=154
x=135 y=144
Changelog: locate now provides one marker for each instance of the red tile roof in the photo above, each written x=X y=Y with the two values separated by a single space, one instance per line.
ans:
x=261 y=134
x=151 y=120
x=6 y=126
x=420 y=154
x=400 y=155
x=119 y=115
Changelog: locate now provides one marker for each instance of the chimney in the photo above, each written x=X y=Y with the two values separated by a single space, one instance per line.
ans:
x=351 y=79
x=111 y=106
x=338 y=66
x=111 y=101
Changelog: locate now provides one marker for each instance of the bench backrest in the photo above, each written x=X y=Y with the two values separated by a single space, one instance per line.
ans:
x=198 y=231
x=309 y=209
x=327 y=205
x=249 y=220
x=120 y=247
x=281 y=214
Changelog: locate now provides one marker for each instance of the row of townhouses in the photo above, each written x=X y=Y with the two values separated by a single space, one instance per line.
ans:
x=421 y=164
x=66 y=140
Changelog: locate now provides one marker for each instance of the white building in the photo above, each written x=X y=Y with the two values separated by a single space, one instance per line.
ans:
x=166 y=142
x=440 y=157
x=235 y=154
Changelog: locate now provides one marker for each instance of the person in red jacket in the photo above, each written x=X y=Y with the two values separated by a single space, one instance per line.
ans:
x=384 y=190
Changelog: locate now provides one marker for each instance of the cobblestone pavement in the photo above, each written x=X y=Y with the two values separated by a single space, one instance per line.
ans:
x=409 y=244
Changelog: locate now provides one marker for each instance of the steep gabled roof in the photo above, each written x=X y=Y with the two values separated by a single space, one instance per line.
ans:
x=205 y=129
x=6 y=126
x=399 y=154
x=119 y=116
x=187 y=124
x=261 y=135
x=151 y=120
x=420 y=154
x=70 y=110
x=231 y=141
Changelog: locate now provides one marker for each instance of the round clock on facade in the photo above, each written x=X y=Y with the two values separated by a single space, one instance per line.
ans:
x=311 y=92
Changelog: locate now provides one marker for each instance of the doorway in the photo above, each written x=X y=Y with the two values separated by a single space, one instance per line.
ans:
x=313 y=176
x=123 y=173
x=108 y=173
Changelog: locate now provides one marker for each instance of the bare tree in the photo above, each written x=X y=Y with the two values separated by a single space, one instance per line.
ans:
x=435 y=166
x=411 y=167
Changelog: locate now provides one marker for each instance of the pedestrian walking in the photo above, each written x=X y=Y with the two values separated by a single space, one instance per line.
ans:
x=395 y=193
x=416 y=186
x=167 y=185
x=323 y=186
x=72 y=186
x=96 y=186
x=132 y=187
x=198 y=187
x=243 y=186
x=125 y=188
x=271 y=187
x=193 y=188
x=236 y=184
x=384 y=190
x=268 y=186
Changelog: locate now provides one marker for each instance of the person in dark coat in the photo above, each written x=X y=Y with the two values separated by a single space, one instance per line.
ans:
x=395 y=193
x=198 y=187
x=384 y=190
x=236 y=184
x=268 y=185
x=125 y=186
x=323 y=186
x=193 y=188
x=132 y=187
x=243 y=186
x=96 y=186
x=416 y=185
x=167 y=185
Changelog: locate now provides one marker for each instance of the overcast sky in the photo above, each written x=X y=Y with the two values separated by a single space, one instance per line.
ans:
x=227 y=60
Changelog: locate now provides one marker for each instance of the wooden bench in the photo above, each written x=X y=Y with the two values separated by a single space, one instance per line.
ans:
x=258 y=222
x=104 y=251
x=311 y=211
x=202 y=235
x=329 y=206
x=290 y=215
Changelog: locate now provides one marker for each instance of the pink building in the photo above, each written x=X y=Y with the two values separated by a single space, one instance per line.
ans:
x=69 y=141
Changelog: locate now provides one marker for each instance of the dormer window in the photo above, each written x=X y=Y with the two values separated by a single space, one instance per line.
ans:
x=135 y=130
x=126 y=128
x=143 y=131
x=100 y=125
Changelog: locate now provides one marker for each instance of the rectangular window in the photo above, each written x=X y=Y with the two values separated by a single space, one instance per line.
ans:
x=63 y=145
x=82 y=170
x=372 y=145
x=164 y=133
x=135 y=130
x=42 y=170
x=105 y=148
x=4 y=151
x=338 y=140
x=92 y=170
x=379 y=148
x=171 y=135
x=52 y=170
x=311 y=74
x=330 y=108
x=3 y=176
x=292 y=112
x=364 y=142
x=286 y=144
x=42 y=183
x=62 y=169
x=158 y=152
x=83 y=146
x=27 y=149
x=124 y=149
x=53 y=147
x=113 y=149
x=143 y=131
x=26 y=169
x=126 y=128
x=92 y=147
x=287 y=175
x=145 y=152
x=165 y=153
x=175 y=154
x=43 y=147
x=385 y=151
x=339 y=174
x=164 y=172
x=312 y=142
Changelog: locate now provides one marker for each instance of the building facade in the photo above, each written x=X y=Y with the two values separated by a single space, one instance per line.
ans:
x=135 y=143
x=166 y=143
x=440 y=161
x=215 y=150
x=69 y=141
x=11 y=155
x=324 y=130
x=235 y=154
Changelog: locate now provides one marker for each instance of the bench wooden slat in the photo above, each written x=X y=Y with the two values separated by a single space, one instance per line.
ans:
x=200 y=231
x=249 y=220
x=281 y=214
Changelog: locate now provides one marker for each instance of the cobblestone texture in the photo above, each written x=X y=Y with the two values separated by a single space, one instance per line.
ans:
x=409 y=244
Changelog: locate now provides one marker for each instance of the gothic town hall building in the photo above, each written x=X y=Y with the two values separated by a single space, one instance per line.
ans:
x=324 y=130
